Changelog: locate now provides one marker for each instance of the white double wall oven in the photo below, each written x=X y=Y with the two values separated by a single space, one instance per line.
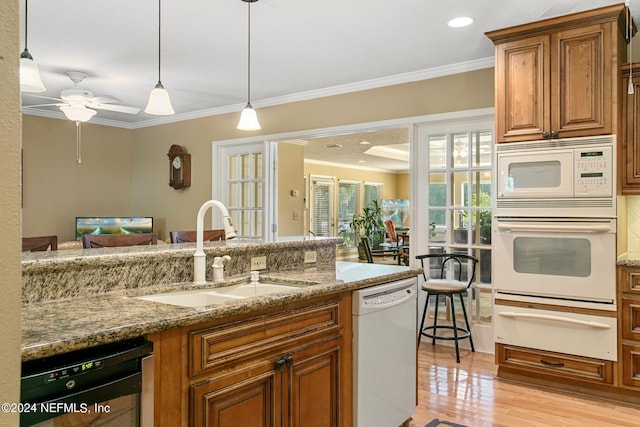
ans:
x=555 y=237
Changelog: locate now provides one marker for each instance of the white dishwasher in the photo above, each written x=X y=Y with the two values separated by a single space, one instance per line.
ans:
x=384 y=353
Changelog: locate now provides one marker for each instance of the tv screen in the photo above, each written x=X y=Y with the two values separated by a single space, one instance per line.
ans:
x=113 y=225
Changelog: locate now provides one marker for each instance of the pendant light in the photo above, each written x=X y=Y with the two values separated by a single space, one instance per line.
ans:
x=248 y=117
x=30 y=80
x=159 y=102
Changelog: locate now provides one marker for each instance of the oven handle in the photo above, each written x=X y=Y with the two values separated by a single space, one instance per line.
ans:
x=596 y=325
x=591 y=228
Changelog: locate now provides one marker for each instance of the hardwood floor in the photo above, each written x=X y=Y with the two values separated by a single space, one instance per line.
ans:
x=470 y=394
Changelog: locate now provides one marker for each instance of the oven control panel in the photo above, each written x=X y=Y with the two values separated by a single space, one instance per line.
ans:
x=593 y=172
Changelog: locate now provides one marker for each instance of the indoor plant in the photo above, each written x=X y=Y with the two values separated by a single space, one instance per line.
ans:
x=369 y=224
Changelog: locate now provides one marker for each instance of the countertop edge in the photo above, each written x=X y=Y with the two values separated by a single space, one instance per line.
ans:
x=160 y=317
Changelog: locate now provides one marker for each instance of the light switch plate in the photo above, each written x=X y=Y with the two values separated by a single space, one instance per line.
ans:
x=258 y=263
x=310 y=256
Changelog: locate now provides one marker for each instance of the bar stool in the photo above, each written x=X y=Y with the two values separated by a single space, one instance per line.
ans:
x=449 y=288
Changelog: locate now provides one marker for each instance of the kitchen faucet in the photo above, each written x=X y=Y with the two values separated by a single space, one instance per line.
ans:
x=199 y=257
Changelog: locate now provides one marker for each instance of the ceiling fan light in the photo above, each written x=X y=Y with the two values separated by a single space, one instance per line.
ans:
x=78 y=113
x=248 y=119
x=159 y=102
x=30 y=80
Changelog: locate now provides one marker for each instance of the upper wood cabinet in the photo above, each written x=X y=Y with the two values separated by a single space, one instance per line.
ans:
x=629 y=166
x=559 y=78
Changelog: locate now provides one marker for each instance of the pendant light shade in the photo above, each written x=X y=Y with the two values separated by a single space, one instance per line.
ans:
x=30 y=80
x=248 y=117
x=159 y=102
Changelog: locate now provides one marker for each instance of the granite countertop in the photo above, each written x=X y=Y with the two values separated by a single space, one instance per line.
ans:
x=58 y=326
x=629 y=259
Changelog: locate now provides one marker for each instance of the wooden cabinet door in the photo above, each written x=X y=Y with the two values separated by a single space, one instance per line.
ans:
x=522 y=89
x=313 y=400
x=250 y=397
x=630 y=164
x=581 y=81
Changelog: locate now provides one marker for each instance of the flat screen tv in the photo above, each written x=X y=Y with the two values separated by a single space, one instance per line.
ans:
x=113 y=225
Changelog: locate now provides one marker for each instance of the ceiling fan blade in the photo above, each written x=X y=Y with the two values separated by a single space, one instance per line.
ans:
x=42 y=97
x=117 y=108
x=104 y=99
x=44 y=105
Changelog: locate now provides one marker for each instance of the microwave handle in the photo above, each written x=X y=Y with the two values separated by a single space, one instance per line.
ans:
x=596 y=325
x=592 y=228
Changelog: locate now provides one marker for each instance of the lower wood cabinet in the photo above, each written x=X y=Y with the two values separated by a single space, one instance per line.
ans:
x=561 y=366
x=286 y=367
x=629 y=306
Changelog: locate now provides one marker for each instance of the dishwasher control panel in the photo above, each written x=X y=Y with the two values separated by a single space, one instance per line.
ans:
x=382 y=300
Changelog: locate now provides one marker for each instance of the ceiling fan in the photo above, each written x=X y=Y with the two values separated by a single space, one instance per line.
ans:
x=79 y=104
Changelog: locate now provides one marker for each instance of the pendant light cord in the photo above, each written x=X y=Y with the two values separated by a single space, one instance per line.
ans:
x=159 y=35
x=26 y=14
x=249 y=53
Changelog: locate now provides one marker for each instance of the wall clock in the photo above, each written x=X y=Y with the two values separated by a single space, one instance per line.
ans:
x=179 y=167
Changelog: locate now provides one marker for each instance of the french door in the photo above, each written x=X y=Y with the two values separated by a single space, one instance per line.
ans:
x=322 y=219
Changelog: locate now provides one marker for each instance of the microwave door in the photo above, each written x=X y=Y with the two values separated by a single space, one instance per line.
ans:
x=535 y=174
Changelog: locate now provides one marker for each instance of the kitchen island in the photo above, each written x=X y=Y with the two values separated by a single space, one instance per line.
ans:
x=206 y=355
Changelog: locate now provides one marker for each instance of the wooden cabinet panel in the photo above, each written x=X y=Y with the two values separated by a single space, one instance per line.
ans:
x=630 y=319
x=522 y=89
x=559 y=78
x=559 y=365
x=261 y=336
x=314 y=385
x=581 y=81
x=630 y=149
x=631 y=365
x=247 y=398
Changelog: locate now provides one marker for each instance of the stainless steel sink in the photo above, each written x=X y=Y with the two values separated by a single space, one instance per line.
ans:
x=212 y=296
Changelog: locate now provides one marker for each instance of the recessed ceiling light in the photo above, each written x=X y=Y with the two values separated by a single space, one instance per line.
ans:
x=364 y=143
x=459 y=22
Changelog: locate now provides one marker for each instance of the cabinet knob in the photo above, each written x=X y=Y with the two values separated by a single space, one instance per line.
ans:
x=545 y=134
x=554 y=134
x=289 y=360
x=280 y=363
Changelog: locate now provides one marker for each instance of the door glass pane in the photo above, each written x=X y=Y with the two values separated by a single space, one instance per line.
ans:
x=437 y=152
x=460 y=189
x=257 y=165
x=233 y=194
x=246 y=195
x=481 y=145
x=555 y=256
x=257 y=191
x=437 y=189
x=437 y=225
x=545 y=174
x=245 y=161
x=460 y=153
x=233 y=167
x=348 y=197
x=460 y=223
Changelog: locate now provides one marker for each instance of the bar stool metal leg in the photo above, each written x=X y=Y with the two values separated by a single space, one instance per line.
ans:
x=455 y=329
x=424 y=316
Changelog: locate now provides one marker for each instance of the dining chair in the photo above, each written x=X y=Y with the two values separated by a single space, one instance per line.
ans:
x=190 y=236
x=39 y=243
x=397 y=243
x=456 y=265
x=370 y=254
x=114 y=240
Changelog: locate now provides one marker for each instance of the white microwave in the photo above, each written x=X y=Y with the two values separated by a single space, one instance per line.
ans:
x=563 y=177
